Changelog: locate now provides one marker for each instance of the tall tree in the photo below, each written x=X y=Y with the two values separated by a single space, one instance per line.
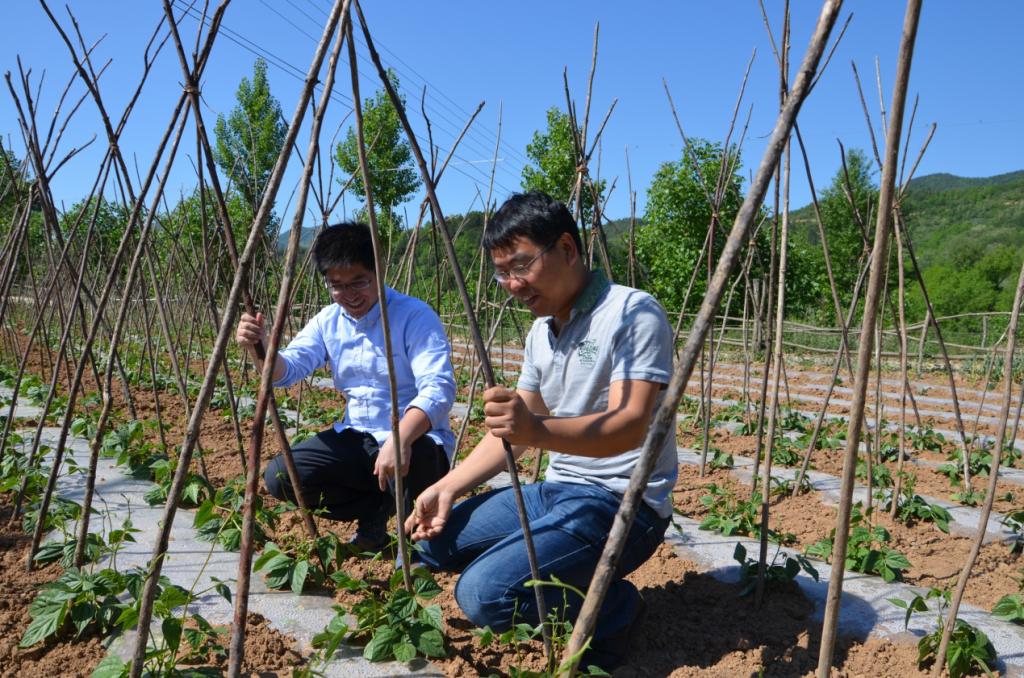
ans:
x=847 y=209
x=552 y=153
x=677 y=217
x=249 y=139
x=389 y=160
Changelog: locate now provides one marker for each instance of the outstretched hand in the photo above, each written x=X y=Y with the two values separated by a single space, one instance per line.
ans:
x=429 y=514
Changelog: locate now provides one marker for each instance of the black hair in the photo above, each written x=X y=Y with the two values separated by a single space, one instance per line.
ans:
x=534 y=215
x=344 y=244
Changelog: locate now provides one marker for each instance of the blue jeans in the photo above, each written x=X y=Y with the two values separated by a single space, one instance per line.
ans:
x=570 y=524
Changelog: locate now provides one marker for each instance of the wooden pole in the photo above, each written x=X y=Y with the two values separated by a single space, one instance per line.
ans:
x=664 y=420
x=830 y=627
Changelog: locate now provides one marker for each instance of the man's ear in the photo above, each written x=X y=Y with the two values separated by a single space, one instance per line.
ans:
x=567 y=247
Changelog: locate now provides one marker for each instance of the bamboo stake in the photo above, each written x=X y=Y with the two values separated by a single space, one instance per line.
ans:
x=830 y=626
x=252 y=472
x=223 y=334
x=904 y=386
x=664 y=420
x=485 y=363
x=399 y=481
x=990 y=495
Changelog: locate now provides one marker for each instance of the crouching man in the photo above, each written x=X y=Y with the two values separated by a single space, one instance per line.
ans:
x=596 y=364
x=345 y=469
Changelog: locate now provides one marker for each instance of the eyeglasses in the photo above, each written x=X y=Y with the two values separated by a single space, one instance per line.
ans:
x=522 y=270
x=360 y=285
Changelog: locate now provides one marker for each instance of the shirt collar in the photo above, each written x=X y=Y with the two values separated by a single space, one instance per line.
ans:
x=597 y=285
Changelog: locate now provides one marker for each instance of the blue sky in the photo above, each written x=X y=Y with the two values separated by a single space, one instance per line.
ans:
x=967 y=72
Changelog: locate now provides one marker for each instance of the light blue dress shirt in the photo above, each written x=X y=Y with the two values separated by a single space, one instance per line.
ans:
x=354 y=348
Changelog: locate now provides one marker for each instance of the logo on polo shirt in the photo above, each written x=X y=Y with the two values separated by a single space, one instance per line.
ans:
x=586 y=351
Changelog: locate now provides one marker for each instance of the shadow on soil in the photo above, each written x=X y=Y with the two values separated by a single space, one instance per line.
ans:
x=698 y=622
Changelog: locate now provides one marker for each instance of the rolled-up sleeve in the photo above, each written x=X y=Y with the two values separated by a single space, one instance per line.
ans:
x=305 y=353
x=430 y=361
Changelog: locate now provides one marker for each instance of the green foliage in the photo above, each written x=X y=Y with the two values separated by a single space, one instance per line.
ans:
x=776 y=575
x=395 y=623
x=195 y=491
x=969 y=649
x=553 y=161
x=559 y=631
x=912 y=507
x=79 y=600
x=250 y=138
x=720 y=459
x=881 y=476
x=677 y=217
x=96 y=546
x=842 y=224
x=307 y=561
x=866 y=549
x=219 y=518
x=1014 y=520
x=728 y=514
x=393 y=177
x=786 y=452
x=111 y=219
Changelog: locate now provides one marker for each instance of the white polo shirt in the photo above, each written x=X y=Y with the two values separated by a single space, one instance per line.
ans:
x=614 y=333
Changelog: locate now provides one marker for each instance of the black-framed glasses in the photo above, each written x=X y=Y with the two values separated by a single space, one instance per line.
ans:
x=522 y=270
x=360 y=285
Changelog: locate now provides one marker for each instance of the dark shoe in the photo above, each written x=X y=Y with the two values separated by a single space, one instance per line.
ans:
x=371 y=534
x=610 y=652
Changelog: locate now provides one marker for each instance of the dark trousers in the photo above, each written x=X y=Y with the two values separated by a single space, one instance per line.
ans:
x=336 y=473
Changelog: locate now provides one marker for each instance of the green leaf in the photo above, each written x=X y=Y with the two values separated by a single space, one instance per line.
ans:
x=82 y=615
x=223 y=590
x=426 y=587
x=205 y=514
x=405 y=651
x=430 y=643
x=45 y=623
x=1009 y=608
x=381 y=646
x=171 y=628
x=431 y=615
x=299 y=574
x=112 y=666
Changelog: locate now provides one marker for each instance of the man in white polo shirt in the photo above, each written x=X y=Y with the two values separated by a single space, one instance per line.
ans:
x=596 y=363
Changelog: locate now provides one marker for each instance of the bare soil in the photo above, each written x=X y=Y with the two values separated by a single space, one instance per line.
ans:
x=695 y=624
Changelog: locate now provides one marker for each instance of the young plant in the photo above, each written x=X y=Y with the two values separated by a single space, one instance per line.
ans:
x=1010 y=608
x=219 y=518
x=784 y=486
x=881 y=477
x=77 y=600
x=729 y=515
x=866 y=549
x=309 y=561
x=969 y=649
x=967 y=497
x=195 y=492
x=395 y=623
x=776 y=575
x=559 y=630
x=912 y=507
x=720 y=459
x=786 y=452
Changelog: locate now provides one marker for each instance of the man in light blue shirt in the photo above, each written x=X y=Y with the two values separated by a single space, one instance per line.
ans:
x=345 y=470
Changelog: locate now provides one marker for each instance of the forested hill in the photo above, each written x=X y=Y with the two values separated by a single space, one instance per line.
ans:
x=954 y=218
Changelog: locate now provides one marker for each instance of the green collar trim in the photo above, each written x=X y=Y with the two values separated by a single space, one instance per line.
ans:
x=595 y=289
